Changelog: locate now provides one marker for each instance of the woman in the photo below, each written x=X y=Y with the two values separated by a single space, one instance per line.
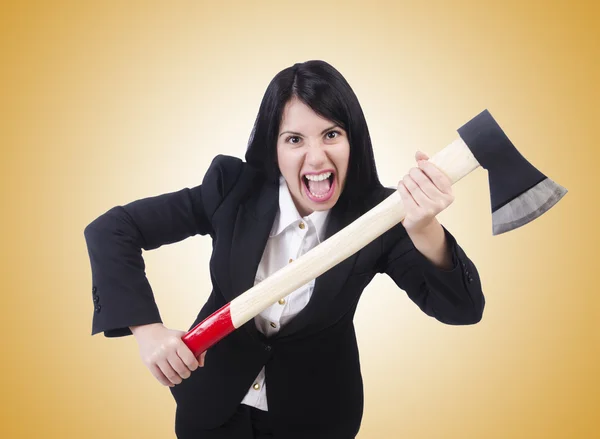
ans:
x=293 y=371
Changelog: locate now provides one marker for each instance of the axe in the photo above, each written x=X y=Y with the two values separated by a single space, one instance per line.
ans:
x=519 y=194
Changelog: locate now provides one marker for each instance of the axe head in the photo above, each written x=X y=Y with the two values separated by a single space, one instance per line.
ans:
x=519 y=192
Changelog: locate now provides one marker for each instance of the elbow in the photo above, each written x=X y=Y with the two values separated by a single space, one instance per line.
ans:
x=464 y=315
x=89 y=229
x=478 y=308
x=92 y=228
x=474 y=317
x=475 y=313
x=105 y=222
x=91 y=233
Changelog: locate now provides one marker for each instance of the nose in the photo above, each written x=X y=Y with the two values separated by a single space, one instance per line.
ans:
x=315 y=155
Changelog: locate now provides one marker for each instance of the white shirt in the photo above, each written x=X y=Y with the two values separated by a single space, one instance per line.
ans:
x=291 y=236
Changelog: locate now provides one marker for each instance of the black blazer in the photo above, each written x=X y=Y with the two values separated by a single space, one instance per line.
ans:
x=314 y=387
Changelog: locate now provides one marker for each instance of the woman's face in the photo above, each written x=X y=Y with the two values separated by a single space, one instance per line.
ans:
x=313 y=155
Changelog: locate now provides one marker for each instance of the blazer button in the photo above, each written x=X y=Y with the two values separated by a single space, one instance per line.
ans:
x=470 y=279
x=96 y=299
x=94 y=289
x=98 y=308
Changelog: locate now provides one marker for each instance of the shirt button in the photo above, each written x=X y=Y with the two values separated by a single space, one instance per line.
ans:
x=281 y=301
x=256 y=386
x=290 y=261
x=273 y=325
x=301 y=225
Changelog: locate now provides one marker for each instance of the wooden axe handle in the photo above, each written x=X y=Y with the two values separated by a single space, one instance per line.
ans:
x=456 y=161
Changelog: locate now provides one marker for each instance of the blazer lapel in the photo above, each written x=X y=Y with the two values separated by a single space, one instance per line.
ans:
x=251 y=231
x=327 y=285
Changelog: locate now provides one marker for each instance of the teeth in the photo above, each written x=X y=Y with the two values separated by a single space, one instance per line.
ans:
x=319 y=177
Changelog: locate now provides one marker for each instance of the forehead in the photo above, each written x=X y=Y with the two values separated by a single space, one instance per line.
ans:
x=297 y=116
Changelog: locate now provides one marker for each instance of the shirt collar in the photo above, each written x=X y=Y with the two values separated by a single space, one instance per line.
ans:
x=288 y=214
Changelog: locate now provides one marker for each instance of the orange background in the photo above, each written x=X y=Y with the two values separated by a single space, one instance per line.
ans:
x=106 y=102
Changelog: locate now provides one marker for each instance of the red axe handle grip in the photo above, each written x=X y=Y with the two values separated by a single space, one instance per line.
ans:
x=209 y=331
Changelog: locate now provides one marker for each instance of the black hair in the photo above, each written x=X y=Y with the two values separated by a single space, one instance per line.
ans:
x=320 y=86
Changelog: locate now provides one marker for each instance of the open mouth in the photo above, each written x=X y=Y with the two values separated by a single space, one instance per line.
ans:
x=319 y=187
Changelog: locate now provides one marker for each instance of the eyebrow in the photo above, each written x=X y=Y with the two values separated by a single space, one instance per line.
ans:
x=300 y=134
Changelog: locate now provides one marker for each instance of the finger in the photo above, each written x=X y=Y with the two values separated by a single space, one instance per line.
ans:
x=424 y=202
x=178 y=365
x=407 y=199
x=201 y=361
x=439 y=178
x=429 y=191
x=169 y=372
x=157 y=373
x=413 y=190
x=187 y=357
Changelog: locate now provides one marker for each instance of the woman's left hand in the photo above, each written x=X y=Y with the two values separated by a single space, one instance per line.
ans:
x=425 y=192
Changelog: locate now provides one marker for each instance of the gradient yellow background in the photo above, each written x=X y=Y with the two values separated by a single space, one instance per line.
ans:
x=106 y=102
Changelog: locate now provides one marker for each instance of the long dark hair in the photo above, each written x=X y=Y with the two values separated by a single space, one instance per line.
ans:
x=320 y=86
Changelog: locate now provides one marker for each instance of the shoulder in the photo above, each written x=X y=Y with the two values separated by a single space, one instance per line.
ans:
x=225 y=172
x=229 y=176
x=225 y=168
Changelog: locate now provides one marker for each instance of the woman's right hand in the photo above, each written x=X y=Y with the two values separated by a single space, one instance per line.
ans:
x=164 y=353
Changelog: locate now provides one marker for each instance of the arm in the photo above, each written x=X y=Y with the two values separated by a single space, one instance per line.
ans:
x=452 y=296
x=431 y=242
x=122 y=294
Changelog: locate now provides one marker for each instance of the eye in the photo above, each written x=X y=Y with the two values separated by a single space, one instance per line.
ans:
x=293 y=137
x=337 y=134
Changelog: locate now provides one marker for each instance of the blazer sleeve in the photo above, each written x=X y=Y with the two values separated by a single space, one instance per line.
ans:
x=121 y=293
x=451 y=296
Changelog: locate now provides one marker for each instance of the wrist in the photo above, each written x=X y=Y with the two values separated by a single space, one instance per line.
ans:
x=426 y=230
x=431 y=242
x=142 y=329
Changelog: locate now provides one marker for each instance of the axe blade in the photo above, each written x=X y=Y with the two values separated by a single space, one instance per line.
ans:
x=528 y=206
x=519 y=192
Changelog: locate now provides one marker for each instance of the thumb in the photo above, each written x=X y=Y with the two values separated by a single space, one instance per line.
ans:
x=201 y=359
x=178 y=333
x=420 y=155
